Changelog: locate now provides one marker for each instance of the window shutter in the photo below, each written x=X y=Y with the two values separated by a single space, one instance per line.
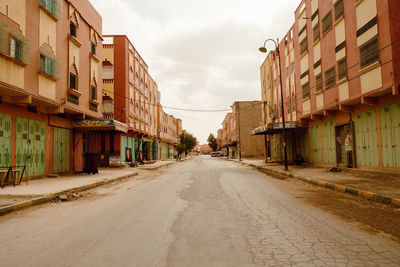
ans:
x=306 y=89
x=339 y=10
x=369 y=52
x=3 y=38
x=342 y=69
x=330 y=77
x=316 y=32
x=318 y=82
x=327 y=22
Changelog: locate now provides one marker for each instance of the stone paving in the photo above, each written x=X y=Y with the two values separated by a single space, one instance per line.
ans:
x=284 y=232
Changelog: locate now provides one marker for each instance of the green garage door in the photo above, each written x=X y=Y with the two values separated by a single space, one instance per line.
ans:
x=366 y=138
x=124 y=144
x=164 y=151
x=329 y=142
x=61 y=150
x=304 y=145
x=315 y=143
x=5 y=140
x=276 y=148
x=131 y=145
x=390 y=135
x=30 y=146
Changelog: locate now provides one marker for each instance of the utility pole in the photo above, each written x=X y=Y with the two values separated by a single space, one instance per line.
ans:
x=240 y=150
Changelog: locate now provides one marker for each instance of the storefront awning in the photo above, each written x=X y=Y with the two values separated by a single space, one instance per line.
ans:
x=274 y=128
x=100 y=125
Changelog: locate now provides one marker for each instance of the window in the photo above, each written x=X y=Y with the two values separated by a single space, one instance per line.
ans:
x=339 y=10
x=342 y=69
x=73 y=99
x=93 y=107
x=292 y=67
x=46 y=65
x=316 y=32
x=330 y=77
x=294 y=104
x=50 y=6
x=72 y=81
x=93 y=49
x=72 y=29
x=327 y=22
x=93 y=92
x=16 y=49
x=306 y=89
x=303 y=46
x=369 y=52
x=318 y=82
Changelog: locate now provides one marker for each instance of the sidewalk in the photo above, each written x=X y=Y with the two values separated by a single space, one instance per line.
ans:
x=47 y=186
x=43 y=190
x=379 y=186
x=161 y=164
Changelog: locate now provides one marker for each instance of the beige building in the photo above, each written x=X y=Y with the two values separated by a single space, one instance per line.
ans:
x=50 y=76
x=247 y=115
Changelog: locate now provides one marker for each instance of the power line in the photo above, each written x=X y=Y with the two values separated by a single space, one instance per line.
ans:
x=168 y=107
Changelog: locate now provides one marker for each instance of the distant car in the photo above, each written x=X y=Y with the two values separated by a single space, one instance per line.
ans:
x=213 y=154
x=220 y=154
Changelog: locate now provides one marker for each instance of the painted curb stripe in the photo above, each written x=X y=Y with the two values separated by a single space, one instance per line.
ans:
x=340 y=188
x=330 y=186
x=396 y=202
x=352 y=191
x=366 y=195
x=383 y=199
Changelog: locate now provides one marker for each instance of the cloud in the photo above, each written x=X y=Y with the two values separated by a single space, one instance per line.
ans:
x=203 y=54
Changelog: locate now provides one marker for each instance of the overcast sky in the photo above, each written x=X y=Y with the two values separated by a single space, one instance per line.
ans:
x=203 y=54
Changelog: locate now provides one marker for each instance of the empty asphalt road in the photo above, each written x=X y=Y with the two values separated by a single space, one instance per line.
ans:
x=203 y=212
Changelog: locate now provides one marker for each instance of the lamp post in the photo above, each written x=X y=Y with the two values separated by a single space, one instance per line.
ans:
x=263 y=49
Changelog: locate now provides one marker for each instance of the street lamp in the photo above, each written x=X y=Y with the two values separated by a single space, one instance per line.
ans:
x=263 y=49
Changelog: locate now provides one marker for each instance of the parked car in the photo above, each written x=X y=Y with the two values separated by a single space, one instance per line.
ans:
x=220 y=154
x=213 y=154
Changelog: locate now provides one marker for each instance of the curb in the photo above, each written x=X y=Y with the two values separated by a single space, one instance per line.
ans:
x=150 y=168
x=379 y=198
x=41 y=200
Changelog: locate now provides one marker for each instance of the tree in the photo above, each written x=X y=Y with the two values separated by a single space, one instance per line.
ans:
x=212 y=142
x=180 y=148
x=187 y=143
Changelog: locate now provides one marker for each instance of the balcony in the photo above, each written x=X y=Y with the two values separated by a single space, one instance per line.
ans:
x=109 y=116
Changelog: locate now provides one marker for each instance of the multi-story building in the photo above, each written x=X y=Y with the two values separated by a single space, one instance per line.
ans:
x=130 y=96
x=220 y=139
x=229 y=139
x=246 y=116
x=341 y=85
x=235 y=136
x=50 y=75
x=171 y=129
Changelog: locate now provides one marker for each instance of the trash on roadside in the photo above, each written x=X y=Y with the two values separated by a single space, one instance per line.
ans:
x=334 y=169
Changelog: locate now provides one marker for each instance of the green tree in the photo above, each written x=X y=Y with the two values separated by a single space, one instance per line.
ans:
x=187 y=143
x=212 y=142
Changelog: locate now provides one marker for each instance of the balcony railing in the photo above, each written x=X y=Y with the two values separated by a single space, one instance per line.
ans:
x=109 y=116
